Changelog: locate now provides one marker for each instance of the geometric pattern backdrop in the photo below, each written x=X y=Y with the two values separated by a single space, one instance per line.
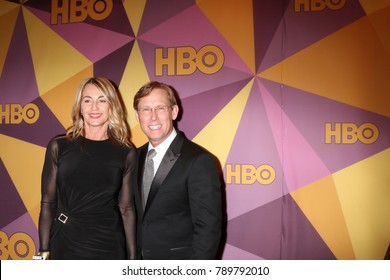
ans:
x=292 y=97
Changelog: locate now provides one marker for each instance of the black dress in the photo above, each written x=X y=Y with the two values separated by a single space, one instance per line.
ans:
x=87 y=208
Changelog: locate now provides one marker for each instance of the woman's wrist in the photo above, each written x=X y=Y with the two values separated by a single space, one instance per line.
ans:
x=44 y=255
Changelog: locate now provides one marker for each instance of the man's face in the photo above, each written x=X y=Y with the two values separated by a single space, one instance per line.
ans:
x=156 y=116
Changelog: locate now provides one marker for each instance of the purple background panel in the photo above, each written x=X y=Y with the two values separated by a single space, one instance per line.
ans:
x=301 y=165
x=17 y=83
x=11 y=205
x=310 y=112
x=301 y=29
x=117 y=21
x=38 y=133
x=256 y=227
x=196 y=115
x=257 y=150
x=201 y=82
x=233 y=253
x=93 y=42
x=201 y=34
x=300 y=240
x=267 y=16
x=25 y=225
x=113 y=65
x=157 y=11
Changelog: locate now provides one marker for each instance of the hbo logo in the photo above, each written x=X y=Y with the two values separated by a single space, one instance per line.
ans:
x=318 y=5
x=20 y=246
x=350 y=133
x=186 y=60
x=16 y=113
x=78 y=10
x=248 y=174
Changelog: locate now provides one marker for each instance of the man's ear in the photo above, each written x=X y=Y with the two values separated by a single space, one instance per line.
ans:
x=175 y=112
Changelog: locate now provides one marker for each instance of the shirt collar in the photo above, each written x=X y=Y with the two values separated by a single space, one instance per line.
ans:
x=163 y=147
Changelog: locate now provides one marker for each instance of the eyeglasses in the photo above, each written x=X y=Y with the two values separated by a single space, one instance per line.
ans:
x=158 y=110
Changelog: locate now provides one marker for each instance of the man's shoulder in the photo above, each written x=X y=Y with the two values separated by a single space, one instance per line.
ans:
x=195 y=148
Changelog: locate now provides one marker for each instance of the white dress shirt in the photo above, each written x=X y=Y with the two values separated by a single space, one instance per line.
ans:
x=161 y=149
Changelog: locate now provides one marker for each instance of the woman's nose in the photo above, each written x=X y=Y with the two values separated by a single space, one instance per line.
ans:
x=94 y=105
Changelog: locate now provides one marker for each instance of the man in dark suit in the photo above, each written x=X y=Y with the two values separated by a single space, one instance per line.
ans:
x=179 y=216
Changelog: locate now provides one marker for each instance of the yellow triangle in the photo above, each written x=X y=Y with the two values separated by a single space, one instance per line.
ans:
x=8 y=15
x=56 y=58
x=235 y=22
x=60 y=99
x=137 y=136
x=134 y=76
x=24 y=162
x=134 y=10
x=319 y=202
x=364 y=192
x=225 y=125
x=349 y=66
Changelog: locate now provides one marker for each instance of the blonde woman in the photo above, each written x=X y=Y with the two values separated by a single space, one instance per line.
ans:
x=86 y=207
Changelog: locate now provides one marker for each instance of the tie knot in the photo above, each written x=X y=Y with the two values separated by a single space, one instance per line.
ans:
x=152 y=153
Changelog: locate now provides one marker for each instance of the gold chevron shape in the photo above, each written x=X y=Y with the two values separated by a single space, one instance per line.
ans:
x=24 y=173
x=364 y=193
x=57 y=59
x=224 y=124
x=350 y=66
x=320 y=204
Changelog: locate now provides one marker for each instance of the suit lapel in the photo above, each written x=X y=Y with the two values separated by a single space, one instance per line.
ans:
x=165 y=167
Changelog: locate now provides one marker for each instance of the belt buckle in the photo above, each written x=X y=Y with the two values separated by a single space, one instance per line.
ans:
x=63 y=218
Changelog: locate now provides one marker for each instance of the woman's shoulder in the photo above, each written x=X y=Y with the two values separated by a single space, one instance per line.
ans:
x=61 y=142
x=57 y=139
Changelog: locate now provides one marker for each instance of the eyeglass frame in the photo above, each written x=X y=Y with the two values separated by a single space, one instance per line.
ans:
x=160 y=109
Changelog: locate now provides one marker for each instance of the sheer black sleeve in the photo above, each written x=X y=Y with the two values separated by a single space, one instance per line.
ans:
x=48 y=195
x=126 y=203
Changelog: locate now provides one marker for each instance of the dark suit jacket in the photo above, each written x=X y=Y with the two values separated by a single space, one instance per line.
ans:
x=182 y=217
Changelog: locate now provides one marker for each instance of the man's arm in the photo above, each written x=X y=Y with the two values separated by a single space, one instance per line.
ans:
x=204 y=186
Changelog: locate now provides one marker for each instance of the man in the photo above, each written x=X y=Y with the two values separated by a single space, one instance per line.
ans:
x=179 y=217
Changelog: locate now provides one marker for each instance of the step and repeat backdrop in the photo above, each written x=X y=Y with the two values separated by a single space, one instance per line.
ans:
x=291 y=96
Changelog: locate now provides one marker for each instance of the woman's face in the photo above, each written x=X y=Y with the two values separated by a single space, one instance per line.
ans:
x=94 y=108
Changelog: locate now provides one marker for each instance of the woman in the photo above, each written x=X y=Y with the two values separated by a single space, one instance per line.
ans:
x=87 y=210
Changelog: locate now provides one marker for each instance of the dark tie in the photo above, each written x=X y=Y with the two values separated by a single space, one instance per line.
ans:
x=148 y=174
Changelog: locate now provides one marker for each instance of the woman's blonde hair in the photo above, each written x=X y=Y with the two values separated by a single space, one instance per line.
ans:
x=118 y=129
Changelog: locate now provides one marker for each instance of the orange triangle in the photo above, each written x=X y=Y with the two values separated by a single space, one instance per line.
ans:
x=235 y=23
x=350 y=66
x=60 y=99
x=320 y=204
